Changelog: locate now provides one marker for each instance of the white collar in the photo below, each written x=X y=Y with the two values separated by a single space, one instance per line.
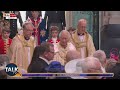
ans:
x=54 y=38
x=44 y=60
x=5 y=39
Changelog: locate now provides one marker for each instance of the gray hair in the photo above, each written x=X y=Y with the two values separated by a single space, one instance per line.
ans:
x=110 y=64
x=89 y=63
x=100 y=54
x=4 y=60
x=25 y=24
x=72 y=54
x=64 y=31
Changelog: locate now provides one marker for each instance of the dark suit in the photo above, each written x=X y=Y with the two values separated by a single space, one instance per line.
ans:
x=110 y=38
x=56 y=18
x=1 y=15
x=3 y=74
x=116 y=71
x=38 y=66
x=42 y=26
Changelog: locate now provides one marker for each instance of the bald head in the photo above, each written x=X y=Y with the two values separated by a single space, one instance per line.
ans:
x=64 y=37
x=82 y=24
x=71 y=55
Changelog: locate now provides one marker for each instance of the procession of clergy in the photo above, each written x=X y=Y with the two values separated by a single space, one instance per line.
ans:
x=69 y=48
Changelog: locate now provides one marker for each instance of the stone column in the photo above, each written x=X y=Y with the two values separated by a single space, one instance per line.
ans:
x=68 y=15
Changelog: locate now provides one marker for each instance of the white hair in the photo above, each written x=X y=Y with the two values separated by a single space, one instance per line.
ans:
x=82 y=21
x=100 y=54
x=90 y=63
x=27 y=23
x=64 y=31
x=72 y=54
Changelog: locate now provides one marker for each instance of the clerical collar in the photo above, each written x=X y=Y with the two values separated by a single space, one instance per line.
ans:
x=4 y=39
x=54 y=39
x=81 y=34
x=26 y=38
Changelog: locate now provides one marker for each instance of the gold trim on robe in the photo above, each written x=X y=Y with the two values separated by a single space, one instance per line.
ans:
x=60 y=55
x=87 y=43
x=18 y=53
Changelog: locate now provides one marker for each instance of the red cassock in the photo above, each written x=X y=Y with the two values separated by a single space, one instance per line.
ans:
x=36 y=31
x=51 y=41
x=0 y=36
x=4 y=45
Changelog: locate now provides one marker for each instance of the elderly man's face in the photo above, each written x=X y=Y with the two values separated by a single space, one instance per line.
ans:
x=64 y=39
x=82 y=27
x=28 y=31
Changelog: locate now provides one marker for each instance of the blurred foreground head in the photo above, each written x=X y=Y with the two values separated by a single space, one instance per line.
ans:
x=4 y=60
x=91 y=65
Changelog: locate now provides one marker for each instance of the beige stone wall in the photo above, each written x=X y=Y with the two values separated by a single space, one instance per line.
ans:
x=110 y=17
x=115 y=17
x=68 y=15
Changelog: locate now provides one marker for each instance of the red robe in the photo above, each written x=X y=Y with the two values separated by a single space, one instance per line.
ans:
x=37 y=32
x=4 y=45
x=51 y=41
x=0 y=36
x=54 y=43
